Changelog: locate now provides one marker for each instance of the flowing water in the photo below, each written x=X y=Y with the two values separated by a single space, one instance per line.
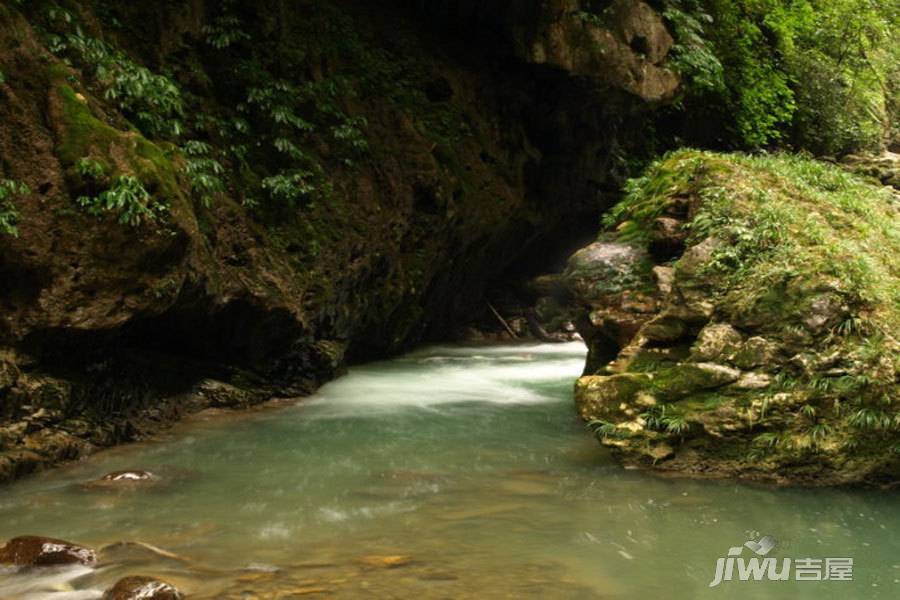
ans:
x=448 y=473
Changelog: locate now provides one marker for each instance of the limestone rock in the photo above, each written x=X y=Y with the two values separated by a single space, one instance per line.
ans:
x=605 y=268
x=756 y=352
x=689 y=378
x=689 y=268
x=664 y=328
x=753 y=381
x=608 y=398
x=716 y=342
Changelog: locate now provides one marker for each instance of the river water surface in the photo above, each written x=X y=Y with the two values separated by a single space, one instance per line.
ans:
x=448 y=473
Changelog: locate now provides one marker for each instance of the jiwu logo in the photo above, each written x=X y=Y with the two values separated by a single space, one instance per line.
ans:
x=766 y=568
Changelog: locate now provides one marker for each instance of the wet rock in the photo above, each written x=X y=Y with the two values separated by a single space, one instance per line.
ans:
x=608 y=397
x=35 y=551
x=142 y=588
x=224 y=395
x=56 y=445
x=128 y=476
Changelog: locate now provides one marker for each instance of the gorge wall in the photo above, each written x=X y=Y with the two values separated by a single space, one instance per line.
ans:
x=213 y=204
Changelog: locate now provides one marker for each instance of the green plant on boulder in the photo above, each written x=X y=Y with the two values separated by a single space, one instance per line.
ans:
x=787 y=293
x=152 y=100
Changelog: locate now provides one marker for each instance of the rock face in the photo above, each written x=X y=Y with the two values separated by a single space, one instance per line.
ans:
x=624 y=44
x=33 y=551
x=755 y=353
x=111 y=330
x=142 y=588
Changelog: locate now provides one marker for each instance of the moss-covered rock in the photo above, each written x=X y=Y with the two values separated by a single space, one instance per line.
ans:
x=788 y=294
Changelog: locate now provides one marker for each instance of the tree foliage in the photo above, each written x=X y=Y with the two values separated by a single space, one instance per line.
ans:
x=823 y=75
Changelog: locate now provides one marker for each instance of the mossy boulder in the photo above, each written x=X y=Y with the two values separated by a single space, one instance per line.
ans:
x=787 y=300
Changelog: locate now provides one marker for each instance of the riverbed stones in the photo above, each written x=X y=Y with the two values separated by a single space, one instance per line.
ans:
x=390 y=561
x=36 y=551
x=142 y=588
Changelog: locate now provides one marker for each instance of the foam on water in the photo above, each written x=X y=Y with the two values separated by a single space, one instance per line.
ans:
x=46 y=584
x=449 y=375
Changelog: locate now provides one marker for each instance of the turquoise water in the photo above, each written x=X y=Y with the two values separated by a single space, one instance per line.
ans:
x=448 y=473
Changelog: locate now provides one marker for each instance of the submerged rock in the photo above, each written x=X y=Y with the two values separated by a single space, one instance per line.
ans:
x=386 y=561
x=35 y=551
x=128 y=476
x=123 y=480
x=142 y=588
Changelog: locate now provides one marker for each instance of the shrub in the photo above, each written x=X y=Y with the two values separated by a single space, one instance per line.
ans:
x=90 y=168
x=203 y=172
x=9 y=214
x=127 y=198
x=152 y=100
x=821 y=74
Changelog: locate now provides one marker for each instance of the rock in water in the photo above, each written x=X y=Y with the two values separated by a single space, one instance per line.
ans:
x=128 y=476
x=386 y=562
x=34 y=551
x=142 y=588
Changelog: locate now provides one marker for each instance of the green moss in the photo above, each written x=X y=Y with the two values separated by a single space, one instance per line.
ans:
x=783 y=219
x=83 y=132
x=84 y=136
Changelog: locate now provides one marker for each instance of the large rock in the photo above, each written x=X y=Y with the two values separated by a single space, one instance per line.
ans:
x=604 y=269
x=34 y=551
x=753 y=341
x=622 y=45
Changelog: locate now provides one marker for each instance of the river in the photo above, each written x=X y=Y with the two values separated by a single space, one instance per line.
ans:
x=452 y=472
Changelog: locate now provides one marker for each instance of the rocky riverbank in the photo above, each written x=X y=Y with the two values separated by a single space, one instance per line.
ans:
x=741 y=315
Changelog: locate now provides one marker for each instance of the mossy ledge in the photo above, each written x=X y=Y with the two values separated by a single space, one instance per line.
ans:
x=766 y=347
